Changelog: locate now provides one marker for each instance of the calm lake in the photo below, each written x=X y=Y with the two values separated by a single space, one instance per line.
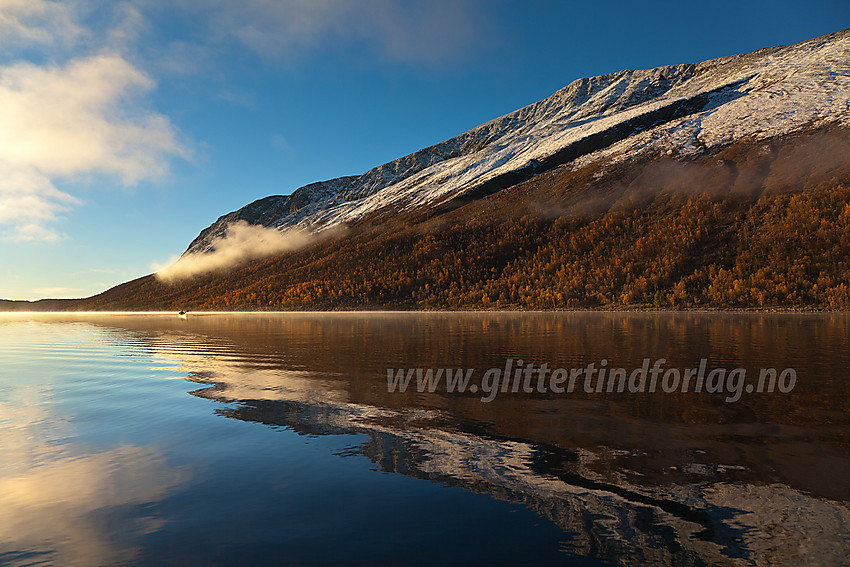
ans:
x=258 y=439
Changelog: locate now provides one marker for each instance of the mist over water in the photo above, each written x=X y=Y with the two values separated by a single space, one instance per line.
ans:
x=267 y=438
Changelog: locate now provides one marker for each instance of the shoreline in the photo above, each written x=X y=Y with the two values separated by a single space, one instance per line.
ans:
x=648 y=310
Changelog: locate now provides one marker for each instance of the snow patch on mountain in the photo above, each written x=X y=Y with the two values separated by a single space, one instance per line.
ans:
x=677 y=110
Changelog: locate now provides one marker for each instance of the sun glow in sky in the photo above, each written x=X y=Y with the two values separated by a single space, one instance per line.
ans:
x=127 y=127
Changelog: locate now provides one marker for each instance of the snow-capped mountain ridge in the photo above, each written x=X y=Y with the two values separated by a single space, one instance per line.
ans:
x=679 y=110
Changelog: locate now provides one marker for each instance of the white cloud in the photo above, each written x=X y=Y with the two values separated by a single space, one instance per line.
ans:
x=82 y=114
x=27 y=22
x=29 y=203
x=82 y=118
x=241 y=242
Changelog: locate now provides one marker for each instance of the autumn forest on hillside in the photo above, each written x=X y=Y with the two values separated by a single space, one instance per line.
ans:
x=786 y=250
x=754 y=226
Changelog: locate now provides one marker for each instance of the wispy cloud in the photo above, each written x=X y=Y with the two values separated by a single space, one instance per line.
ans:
x=402 y=31
x=73 y=108
x=280 y=142
x=28 y=22
x=30 y=203
x=82 y=118
x=241 y=243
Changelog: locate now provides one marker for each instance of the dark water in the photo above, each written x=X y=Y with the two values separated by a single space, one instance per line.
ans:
x=273 y=439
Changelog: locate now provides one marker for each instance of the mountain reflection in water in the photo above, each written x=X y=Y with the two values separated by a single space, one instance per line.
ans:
x=630 y=478
x=659 y=478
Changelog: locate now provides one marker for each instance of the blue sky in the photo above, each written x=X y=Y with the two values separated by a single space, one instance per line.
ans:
x=128 y=127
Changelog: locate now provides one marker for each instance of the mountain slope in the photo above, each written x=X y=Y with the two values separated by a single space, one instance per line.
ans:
x=737 y=228
x=677 y=110
x=714 y=185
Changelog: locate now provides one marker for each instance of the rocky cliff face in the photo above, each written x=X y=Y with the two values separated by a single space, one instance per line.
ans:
x=677 y=111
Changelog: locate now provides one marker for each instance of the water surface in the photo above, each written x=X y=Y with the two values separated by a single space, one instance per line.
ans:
x=273 y=438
